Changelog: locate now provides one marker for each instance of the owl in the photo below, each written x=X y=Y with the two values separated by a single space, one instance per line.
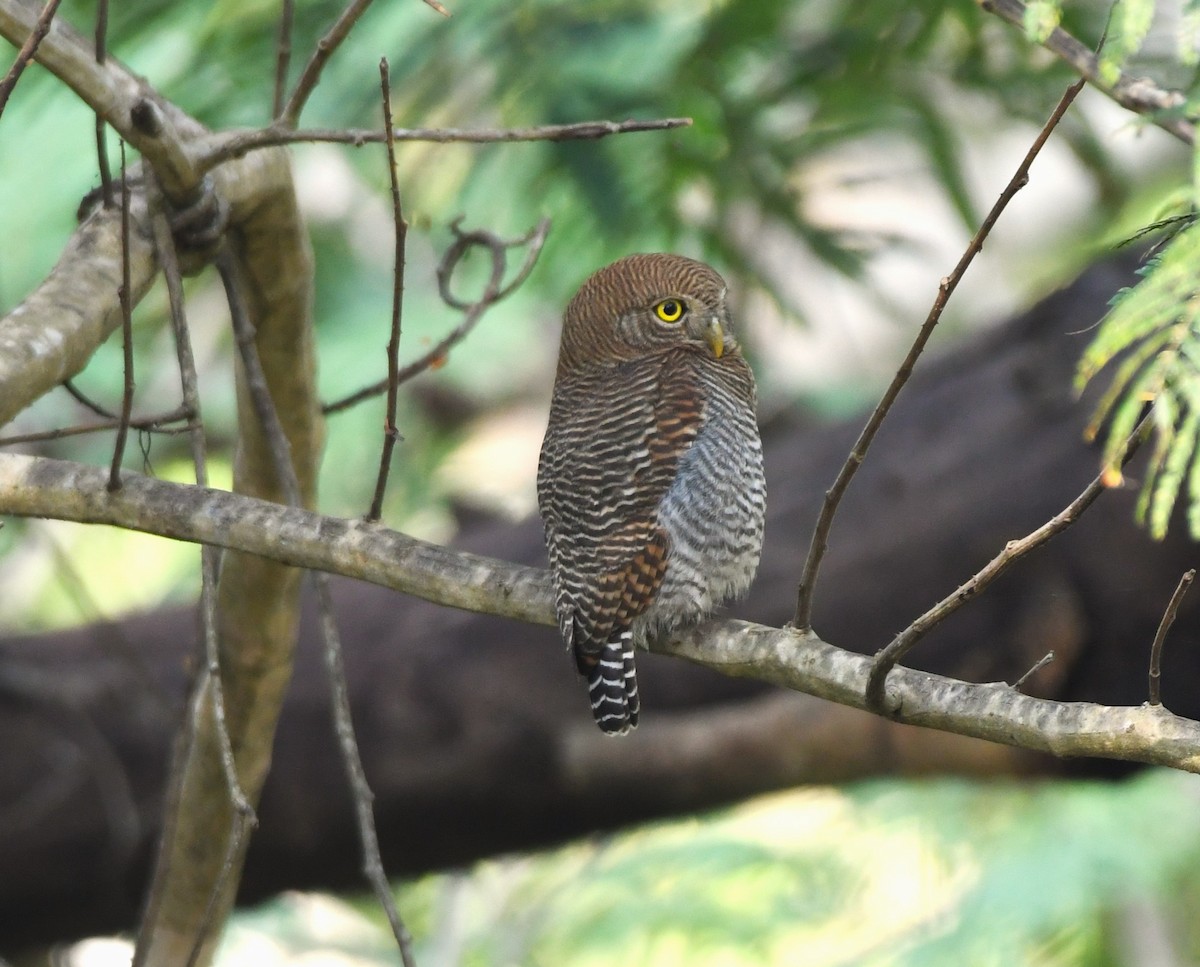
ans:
x=650 y=480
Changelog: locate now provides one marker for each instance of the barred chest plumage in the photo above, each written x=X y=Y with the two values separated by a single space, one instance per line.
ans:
x=713 y=514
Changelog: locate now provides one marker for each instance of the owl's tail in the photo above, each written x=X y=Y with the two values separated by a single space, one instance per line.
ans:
x=612 y=685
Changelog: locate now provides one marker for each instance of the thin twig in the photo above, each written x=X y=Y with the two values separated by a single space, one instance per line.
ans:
x=886 y=658
x=256 y=381
x=181 y=412
x=1041 y=663
x=283 y=54
x=244 y=817
x=85 y=400
x=833 y=496
x=27 y=52
x=243 y=812
x=1160 y=636
x=352 y=760
x=390 y=433
x=123 y=296
x=475 y=311
x=325 y=48
x=280 y=451
x=1137 y=94
x=229 y=145
x=101 y=144
x=153 y=424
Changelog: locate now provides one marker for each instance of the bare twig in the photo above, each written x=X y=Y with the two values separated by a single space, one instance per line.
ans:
x=325 y=48
x=244 y=817
x=887 y=657
x=152 y=424
x=125 y=297
x=221 y=147
x=181 y=412
x=1137 y=94
x=27 y=51
x=390 y=433
x=256 y=381
x=1160 y=636
x=280 y=451
x=283 y=54
x=493 y=292
x=101 y=144
x=1041 y=663
x=833 y=496
x=361 y=790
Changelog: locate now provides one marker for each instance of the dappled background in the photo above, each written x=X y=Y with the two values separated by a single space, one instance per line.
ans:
x=841 y=155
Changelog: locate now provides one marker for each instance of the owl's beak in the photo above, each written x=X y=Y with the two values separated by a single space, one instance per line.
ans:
x=715 y=335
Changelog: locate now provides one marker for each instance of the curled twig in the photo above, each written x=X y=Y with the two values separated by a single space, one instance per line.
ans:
x=493 y=293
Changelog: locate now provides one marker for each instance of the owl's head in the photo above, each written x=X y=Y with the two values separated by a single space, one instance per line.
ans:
x=643 y=304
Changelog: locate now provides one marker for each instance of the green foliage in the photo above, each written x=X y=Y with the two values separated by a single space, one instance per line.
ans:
x=1041 y=17
x=1154 y=329
x=1128 y=29
x=883 y=874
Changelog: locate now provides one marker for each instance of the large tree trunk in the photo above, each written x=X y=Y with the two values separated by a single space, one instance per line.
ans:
x=476 y=735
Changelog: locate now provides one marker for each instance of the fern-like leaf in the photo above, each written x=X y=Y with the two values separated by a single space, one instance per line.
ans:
x=1155 y=327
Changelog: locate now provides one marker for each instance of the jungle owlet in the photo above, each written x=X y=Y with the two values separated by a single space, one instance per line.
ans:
x=650 y=481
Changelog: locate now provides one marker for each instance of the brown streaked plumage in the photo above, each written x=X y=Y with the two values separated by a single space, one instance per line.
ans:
x=650 y=481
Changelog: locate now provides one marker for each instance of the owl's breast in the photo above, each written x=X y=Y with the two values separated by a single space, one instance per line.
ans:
x=713 y=514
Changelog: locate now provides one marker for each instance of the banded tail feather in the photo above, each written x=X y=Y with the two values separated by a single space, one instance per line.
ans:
x=612 y=685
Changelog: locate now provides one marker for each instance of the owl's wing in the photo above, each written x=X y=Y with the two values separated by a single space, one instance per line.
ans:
x=611 y=453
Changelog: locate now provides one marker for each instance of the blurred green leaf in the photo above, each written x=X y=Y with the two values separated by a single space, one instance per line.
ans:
x=1155 y=325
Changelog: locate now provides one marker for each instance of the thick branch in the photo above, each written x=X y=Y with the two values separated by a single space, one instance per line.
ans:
x=52 y=334
x=258 y=597
x=39 y=487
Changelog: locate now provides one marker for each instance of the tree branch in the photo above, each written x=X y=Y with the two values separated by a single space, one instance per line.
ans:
x=113 y=92
x=233 y=144
x=1137 y=94
x=32 y=486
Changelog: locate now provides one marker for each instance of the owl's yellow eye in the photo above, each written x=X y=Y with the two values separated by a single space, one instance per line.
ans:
x=669 y=310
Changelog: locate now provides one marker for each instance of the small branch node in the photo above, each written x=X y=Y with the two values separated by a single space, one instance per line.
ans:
x=146 y=117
